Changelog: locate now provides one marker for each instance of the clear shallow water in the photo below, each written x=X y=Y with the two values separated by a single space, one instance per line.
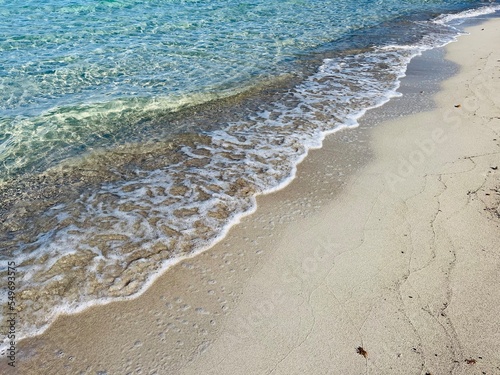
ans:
x=108 y=178
x=73 y=74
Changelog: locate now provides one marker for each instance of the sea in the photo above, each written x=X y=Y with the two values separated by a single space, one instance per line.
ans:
x=134 y=134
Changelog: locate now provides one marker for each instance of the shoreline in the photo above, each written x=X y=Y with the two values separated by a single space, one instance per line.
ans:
x=267 y=247
x=57 y=192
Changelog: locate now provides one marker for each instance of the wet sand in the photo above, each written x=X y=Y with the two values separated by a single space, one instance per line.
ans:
x=381 y=257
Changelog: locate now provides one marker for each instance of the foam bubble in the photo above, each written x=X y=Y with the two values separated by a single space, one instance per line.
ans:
x=461 y=16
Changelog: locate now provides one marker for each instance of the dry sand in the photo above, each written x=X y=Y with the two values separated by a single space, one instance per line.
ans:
x=382 y=257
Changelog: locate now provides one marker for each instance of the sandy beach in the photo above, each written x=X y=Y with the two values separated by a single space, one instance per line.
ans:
x=381 y=257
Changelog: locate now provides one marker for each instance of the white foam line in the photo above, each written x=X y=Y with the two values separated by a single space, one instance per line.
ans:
x=447 y=18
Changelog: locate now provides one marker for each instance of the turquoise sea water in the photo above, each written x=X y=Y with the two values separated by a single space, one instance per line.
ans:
x=74 y=74
x=134 y=133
